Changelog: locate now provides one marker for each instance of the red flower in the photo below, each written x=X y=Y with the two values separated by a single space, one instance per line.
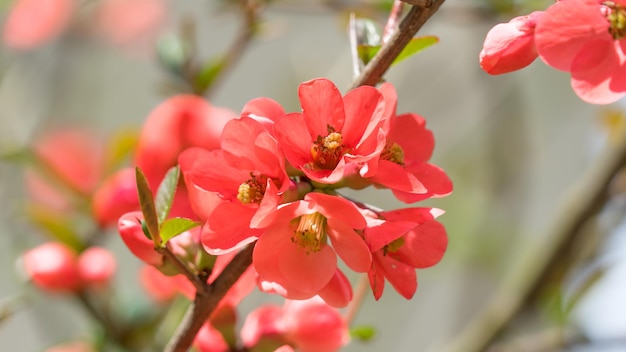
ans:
x=510 y=46
x=401 y=241
x=331 y=131
x=403 y=164
x=293 y=251
x=586 y=38
x=248 y=174
x=96 y=267
x=115 y=197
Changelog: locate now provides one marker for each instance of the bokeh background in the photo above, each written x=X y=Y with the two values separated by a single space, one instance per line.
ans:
x=517 y=148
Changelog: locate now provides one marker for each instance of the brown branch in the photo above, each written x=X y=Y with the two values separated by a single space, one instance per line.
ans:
x=206 y=301
x=580 y=204
x=412 y=22
x=235 y=51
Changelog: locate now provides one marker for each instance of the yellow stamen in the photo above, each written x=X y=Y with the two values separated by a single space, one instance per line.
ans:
x=393 y=152
x=311 y=232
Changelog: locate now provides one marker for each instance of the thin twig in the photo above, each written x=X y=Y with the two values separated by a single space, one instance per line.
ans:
x=111 y=328
x=412 y=22
x=362 y=287
x=581 y=203
x=183 y=268
x=205 y=302
x=244 y=37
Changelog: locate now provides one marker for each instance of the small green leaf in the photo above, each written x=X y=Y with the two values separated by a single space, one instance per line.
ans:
x=119 y=147
x=207 y=75
x=147 y=206
x=367 y=52
x=173 y=227
x=173 y=53
x=415 y=46
x=363 y=332
x=165 y=193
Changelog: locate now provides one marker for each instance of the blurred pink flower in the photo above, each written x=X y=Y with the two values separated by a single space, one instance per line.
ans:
x=127 y=23
x=116 y=196
x=96 y=267
x=32 y=23
x=52 y=267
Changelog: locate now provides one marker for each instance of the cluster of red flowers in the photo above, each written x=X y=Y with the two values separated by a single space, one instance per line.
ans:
x=273 y=179
x=583 y=37
x=267 y=176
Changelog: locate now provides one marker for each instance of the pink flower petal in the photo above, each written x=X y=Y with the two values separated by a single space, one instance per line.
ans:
x=401 y=276
x=424 y=246
x=349 y=246
x=364 y=107
x=309 y=272
x=333 y=206
x=338 y=292
x=592 y=71
x=322 y=106
x=565 y=27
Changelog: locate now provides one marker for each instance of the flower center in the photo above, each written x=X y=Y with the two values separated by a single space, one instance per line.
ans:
x=393 y=152
x=310 y=233
x=327 y=151
x=616 y=15
x=394 y=246
x=252 y=190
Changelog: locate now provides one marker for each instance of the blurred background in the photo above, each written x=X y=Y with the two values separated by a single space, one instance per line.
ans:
x=528 y=159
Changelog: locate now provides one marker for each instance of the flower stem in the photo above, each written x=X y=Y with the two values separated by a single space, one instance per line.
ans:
x=354 y=306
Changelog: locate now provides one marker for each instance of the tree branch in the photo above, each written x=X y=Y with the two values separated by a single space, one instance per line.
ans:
x=206 y=301
x=581 y=203
x=412 y=22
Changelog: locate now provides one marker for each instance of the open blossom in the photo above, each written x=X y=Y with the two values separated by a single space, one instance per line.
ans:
x=403 y=164
x=510 y=46
x=332 y=131
x=32 y=23
x=248 y=174
x=294 y=252
x=586 y=38
x=401 y=241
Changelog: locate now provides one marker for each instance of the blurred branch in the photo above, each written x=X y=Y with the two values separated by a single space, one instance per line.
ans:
x=235 y=52
x=207 y=300
x=529 y=275
x=412 y=22
x=362 y=287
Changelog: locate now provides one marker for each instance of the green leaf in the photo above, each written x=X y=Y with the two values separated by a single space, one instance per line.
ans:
x=59 y=226
x=207 y=75
x=363 y=332
x=415 y=46
x=147 y=206
x=120 y=146
x=173 y=227
x=173 y=53
x=165 y=193
x=367 y=52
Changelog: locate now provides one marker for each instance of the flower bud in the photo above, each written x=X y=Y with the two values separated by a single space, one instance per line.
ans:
x=52 y=267
x=115 y=197
x=96 y=266
x=129 y=227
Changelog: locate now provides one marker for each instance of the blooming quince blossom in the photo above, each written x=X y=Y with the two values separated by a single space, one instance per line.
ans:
x=402 y=241
x=331 y=132
x=403 y=164
x=293 y=251
x=510 y=46
x=586 y=38
x=248 y=174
